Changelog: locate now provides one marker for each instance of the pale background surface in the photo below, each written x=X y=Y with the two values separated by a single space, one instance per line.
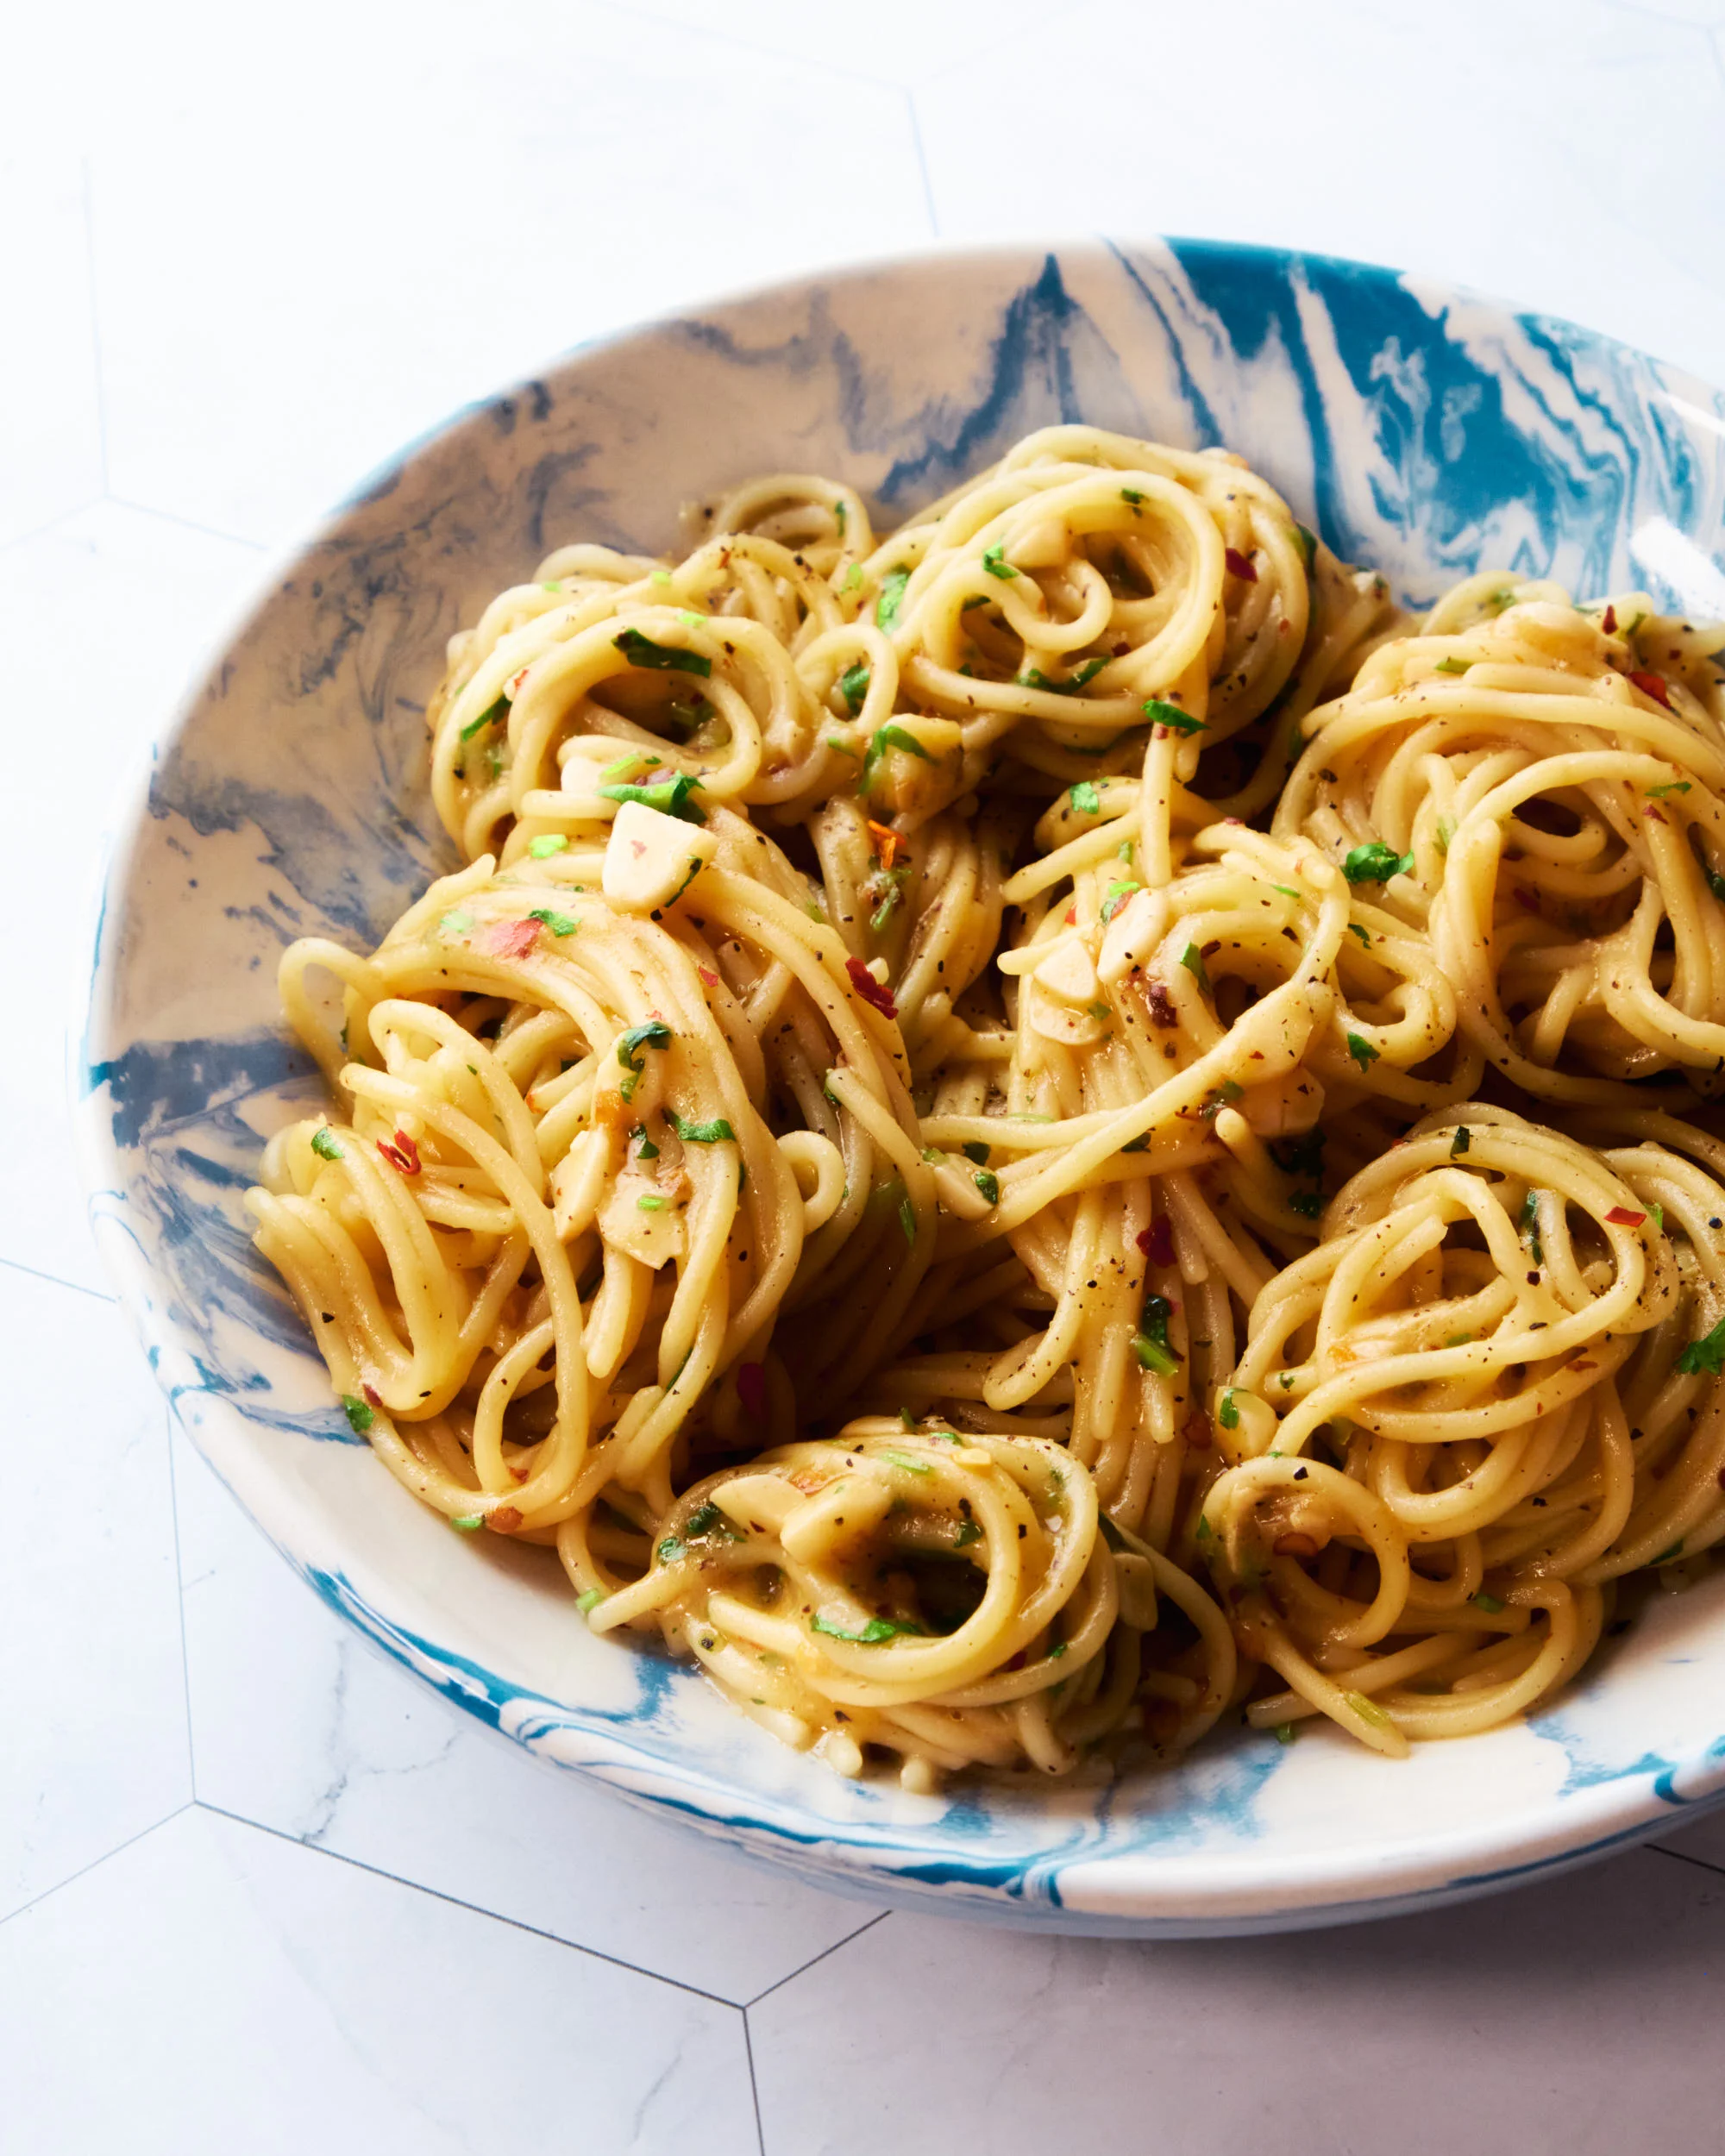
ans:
x=259 y=1892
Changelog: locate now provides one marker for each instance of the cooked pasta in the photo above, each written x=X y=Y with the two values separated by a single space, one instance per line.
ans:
x=1032 y=1135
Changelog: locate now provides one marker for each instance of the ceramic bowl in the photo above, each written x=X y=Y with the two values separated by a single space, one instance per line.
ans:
x=1424 y=431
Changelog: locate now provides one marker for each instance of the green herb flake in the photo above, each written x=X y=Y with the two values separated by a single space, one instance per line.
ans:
x=1448 y=665
x=1227 y=1414
x=652 y=1205
x=1446 y=831
x=654 y=1034
x=1284 y=1731
x=468 y=1523
x=1460 y=1142
x=493 y=715
x=1115 y=897
x=974 y=1149
x=1664 y=1556
x=907 y=1219
x=670 y=796
x=1036 y=679
x=1529 y=1226
x=1085 y=799
x=853 y=687
x=323 y=1144
x=1193 y=960
x=1489 y=1604
x=1706 y=1354
x=669 y=1550
x=881 y=741
x=559 y=923
x=1286 y=889
x=989 y=1184
x=994 y=561
x=456 y=922
x=1173 y=718
x=1362 y=1051
x=1308 y=545
x=1206 y=1533
x=359 y=1416
x=1058 y=1650
x=1363 y=934
x=892 y=597
x=591 y=1600
x=1376 y=863
x=853 y=578
x=968 y=1532
x=546 y=844
x=1150 y=1343
x=1659 y=792
x=872 y=1635
x=1659 y=1214
x=717 y=1131
x=910 y=1465
x=642 y=651
x=1130 y=494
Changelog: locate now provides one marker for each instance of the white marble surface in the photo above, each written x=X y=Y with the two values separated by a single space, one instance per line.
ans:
x=259 y=1893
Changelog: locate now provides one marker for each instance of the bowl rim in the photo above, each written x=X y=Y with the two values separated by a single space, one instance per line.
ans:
x=1135 y=1891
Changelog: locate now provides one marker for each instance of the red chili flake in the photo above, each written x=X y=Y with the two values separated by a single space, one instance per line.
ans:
x=505 y=1520
x=403 y=1155
x=709 y=978
x=373 y=1397
x=1239 y=565
x=1196 y=1430
x=751 y=1390
x=1156 y=1242
x=870 y=989
x=1072 y=921
x=511 y=939
x=1608 y=621
x=520 y=1473
x=886 y=842
x=1652 y=684
x=1653 y=816
x=515 y=685
x=1621 y=1217
x=1162 y=1008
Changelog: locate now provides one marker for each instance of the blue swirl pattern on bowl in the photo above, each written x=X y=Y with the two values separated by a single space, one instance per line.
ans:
x=1424 y=431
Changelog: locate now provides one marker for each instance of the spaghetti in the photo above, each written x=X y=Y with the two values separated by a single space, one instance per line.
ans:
x=1029 y=1134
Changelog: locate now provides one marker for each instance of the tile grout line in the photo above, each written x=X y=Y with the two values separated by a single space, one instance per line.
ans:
x=1682 y=1856
x=753 y=2086
x=880 y=1917
x=922 y=161
x=53 y=1280
x=96 y=1863
x=179 y=1578
x=187 y=524
x=473 y=1909
x=95 y=324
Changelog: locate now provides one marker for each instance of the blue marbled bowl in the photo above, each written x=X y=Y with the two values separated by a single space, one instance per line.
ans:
x=1422 y=431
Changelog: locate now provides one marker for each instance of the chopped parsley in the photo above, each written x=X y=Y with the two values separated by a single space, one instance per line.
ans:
x=591 y=1600
x=1460 y=1142
x=359 y=1416
x=907 y=1219
x=1171 y=716
x=1529 y=1226
x=1448 y=665
x=1489 y=1603
x=1227 y=1414
x=989 y=1184
x=974 y=1149
x=670 y=796
x=651 y=1205
x=853 y=687
x=323 y=1144
x=994 y=562
x=493 y=715
x=1659 y=792
x=654 y=1034
x=970 y=1531
x=876 y=1630
x=1362 y=1051
x=1706 y=1354
x=1363 y=934
x=559 y=923
x=1193 y=960
x=546 y=844
x=1036 y=679
x=1376 y=863
x=1085 y=799
x=1150 y=1343
x=456 y=922
x=718 y=1131
x=911 y=1466
x=1130 y=494
x=881 y=741
x=892 y=597
x=1115 y=897
x=642 y=651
